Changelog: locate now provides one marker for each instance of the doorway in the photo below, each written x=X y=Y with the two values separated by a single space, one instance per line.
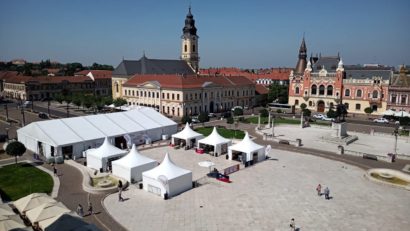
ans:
x=320 y=106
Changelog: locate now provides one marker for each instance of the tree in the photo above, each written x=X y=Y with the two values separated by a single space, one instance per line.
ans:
x=203 y=117
x=278 y=93
x=303 y=106
x=59 y=98
x=229 y=120
x=307 y=112
x=331 y=113
x=77 y=100
x=87 y=102
x=368 y=111
x=264 y=112
x=15 y=149
x=119 y=102
x=238 y=111
x=186 y=119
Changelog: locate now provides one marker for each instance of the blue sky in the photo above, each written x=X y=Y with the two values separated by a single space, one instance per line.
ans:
x=239 y=33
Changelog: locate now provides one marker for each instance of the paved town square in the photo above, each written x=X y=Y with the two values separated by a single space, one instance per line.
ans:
x=266 y=196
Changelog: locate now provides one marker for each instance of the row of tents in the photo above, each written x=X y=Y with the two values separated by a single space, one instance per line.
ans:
x=394 y=113
x=43 y=212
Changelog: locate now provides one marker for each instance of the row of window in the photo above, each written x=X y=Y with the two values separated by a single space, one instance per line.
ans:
x=313 y=90
x=358 y=105
x=186 y=48
x=403 y=99
x=359 y=93
x=169 y=96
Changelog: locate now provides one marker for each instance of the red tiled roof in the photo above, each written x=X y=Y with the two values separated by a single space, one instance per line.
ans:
x=98 y=74
x=261 y=90
x=4 y=75
x=184 y=82
x=47 y=79
x=272 y=73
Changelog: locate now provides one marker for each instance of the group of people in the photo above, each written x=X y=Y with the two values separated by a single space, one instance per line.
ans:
x=326 y=191
x=80 y=210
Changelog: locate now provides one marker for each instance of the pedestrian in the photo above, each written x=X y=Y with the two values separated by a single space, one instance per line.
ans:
x=90 y=208
x=292 y=224
x=119 y=185
x=120 y=195
x=319 y=190
x=55 y=170
x=80 y=210
x=327 y=192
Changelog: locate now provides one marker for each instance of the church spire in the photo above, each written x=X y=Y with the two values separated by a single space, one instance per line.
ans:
x=189 y=28
x=189 y=51
x=301 y=65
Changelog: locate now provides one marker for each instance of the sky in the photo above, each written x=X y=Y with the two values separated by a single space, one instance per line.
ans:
x=232 y=33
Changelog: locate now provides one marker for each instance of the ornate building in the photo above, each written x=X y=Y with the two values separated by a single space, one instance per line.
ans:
x=187 y=65
x=399 y=91
x=325 y=82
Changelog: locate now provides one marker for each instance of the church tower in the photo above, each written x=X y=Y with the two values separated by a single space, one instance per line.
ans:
x=189 y=51
x=301 y=65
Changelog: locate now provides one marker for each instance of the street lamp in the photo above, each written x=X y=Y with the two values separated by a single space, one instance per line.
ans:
x=396 y=133
x=48 y=107
x=7 y=133
x=7 y=112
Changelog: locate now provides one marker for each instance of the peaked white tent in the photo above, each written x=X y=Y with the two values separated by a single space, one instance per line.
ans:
x=167 y=179
x=32 y=201
x=246 y=151
x=220 y=144
x=389 y=112
x=72 y=136
x=8 y=223
x=102 y=156
x=70 y=221
x=46 y=211
x=188 y=135
x=131 y=166
x=401 y=114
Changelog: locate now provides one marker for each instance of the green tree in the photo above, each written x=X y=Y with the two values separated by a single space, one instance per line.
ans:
x=186 y=119
x=77 y=100
x=88 y=102
x=264 y=112
x=59 y=98
x=278 y=93
x=307 y=112
x=368 y=111
x=238 y=111
x=119 y=102
x=203 y=117
x=331 y=113
x=303 y=106
x=230 y=120
x=15 y=149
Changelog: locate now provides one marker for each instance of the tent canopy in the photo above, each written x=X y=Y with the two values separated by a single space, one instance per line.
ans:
x=389 y=112
x=6 y=210
x=46 y=211
x=7 y=223
x=187 y=133
x=105 y=150
x=32 y=201
x=167 y=168
x=60 y=132
x=70 y=221
x=133 y=158
x=246 y=145
x=401 y=114
x=214 y=139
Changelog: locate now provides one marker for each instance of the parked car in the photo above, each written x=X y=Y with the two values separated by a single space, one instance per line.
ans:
x=195 y=120
x=42 y=115
x=322 y=117
x=318 y=116
x=210 y=115
x=27 y=104
x=381 y=120
x=233 y=109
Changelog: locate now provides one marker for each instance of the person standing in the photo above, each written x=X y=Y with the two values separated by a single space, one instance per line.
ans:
x=90 y=208
x=80 y=210
x=55 y=170
x=120 y=195
x=319 y=190
x=327 y=192
x=292 y=224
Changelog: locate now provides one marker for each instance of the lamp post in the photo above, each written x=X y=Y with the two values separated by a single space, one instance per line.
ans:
x=301 y=120
x=48 y=107
x=7 y=134
x=396 y=133
x=23 y=122
x=7 y=112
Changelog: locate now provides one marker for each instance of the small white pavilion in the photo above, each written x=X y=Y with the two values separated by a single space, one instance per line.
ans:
x=101 y=157
x=189 y=136
x=246 y=151
x=167 y=179
x=131 y=166
x=219 y=143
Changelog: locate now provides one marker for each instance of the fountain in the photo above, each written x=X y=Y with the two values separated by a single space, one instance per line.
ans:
x=390 y=177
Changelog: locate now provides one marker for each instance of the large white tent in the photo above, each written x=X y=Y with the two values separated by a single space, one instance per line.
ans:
x=46 y=211
x=401 y=114
x=32 y=201
x=188 y=135
x=219 y=143
x=246 y=151
x=131 y=166
x=99 y=158
x=167 y=178
x=65 y=222
x=72 y=136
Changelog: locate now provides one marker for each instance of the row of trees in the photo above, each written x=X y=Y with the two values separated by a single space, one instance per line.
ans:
x=89 y=101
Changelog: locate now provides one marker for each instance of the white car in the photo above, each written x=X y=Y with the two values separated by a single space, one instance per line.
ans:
x=318 y=116
x=381 y=120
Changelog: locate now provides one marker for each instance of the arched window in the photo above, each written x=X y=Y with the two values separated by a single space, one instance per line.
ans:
x=375 y=94
x=321 y=90
x=313 y=91
x=297 y=90
x=310 y=103
x=296 y=102
x=329 y=90
x=185 y=48
x=347 y=92
x=193 y=48
x=116 y=87
x=359 y=93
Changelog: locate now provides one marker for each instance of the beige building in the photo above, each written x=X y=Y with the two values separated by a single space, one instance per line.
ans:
x=178 y=95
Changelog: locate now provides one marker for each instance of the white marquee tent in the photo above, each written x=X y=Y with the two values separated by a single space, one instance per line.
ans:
x=100 y=157
x=167 y=178
x=72 y=136
x=32 y=201
x=46 y=211
x=188 y=135
x=401 y=114
x=219 y=142
x=131 y=166
x=247 y=150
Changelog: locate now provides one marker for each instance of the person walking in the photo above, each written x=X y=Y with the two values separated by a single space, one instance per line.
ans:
x=327 y=192
x=80 y=210
x=90 y=208
x=319 y=190
x=120 y=195
x=55 y=170
x=292 y=224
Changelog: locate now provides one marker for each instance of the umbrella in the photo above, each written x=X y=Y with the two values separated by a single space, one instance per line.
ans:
x=206 y=164
x=402 y=114
x=31 y=201
x=5 y=210
x=389 y=112
x=46 y=211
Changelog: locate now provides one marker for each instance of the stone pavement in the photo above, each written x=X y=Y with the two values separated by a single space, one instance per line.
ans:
x=267 y=195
